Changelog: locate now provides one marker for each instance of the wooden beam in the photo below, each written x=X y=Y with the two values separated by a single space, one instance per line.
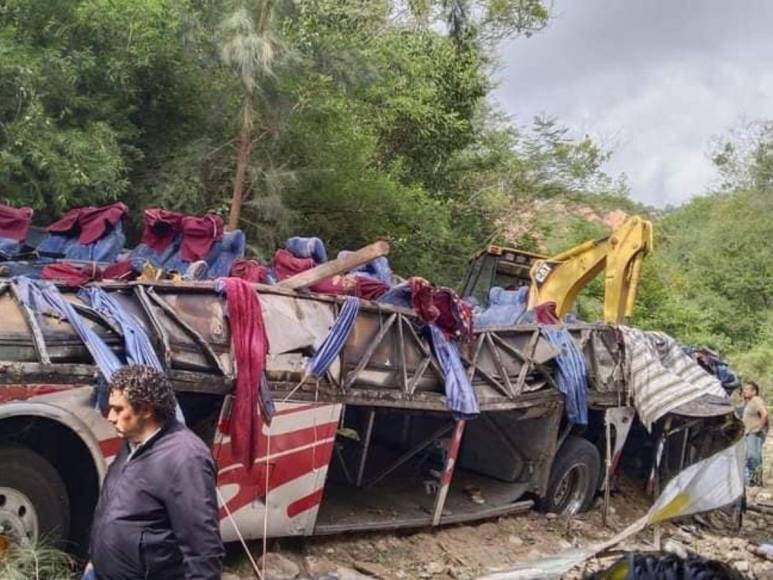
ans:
x=336 y=267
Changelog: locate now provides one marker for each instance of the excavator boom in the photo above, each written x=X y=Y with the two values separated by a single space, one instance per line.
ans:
x=620 y=255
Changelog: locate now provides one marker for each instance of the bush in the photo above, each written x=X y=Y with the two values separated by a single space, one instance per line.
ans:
x=36 y=562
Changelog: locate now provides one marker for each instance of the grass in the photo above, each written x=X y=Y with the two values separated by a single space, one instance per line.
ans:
x=36 y=563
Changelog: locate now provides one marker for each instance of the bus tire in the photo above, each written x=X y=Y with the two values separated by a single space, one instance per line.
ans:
x=34 y=506
x=573 y=479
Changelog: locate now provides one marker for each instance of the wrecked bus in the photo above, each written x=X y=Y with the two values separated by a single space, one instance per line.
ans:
x=369 y=446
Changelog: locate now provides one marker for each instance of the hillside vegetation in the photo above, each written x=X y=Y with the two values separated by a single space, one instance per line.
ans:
x=354 y=120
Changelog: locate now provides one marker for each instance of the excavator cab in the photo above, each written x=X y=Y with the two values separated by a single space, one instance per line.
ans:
x=497 y=266
x=559 y=279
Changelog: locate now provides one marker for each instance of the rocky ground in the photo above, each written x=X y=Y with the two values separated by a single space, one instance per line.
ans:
x=469 y=551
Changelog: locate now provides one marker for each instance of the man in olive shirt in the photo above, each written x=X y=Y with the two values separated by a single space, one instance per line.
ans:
x=755 y=420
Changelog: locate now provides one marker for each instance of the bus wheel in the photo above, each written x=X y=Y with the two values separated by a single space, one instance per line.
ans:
x=33 y=499
x=573 y=479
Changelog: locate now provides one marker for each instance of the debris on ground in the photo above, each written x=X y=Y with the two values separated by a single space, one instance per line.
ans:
x=473 y=550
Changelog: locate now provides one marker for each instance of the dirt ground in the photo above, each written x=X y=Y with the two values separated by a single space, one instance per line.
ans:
x=469 y=551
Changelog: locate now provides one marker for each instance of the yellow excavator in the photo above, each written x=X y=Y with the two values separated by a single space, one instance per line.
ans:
x=560 y=278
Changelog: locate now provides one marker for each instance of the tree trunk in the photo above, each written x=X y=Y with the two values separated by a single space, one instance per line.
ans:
x=245 y=147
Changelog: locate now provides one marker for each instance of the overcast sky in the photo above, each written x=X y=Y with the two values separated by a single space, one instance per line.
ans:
x=655 y=79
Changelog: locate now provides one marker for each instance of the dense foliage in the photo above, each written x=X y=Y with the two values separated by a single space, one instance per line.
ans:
x=355 y=120
x=710 y=280
x=345 y=119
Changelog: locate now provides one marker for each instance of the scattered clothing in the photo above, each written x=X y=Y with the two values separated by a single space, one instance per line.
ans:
x=377 y=268
x=313 y=248
x=68 y=223
x=9 y=249
x=251 y=271
x=571 y=374
x=399 y=295
x=713 y=364
x=54 y=245
x=199 y=235
x=505 y=307
x=443 y=308
x=138 y=347
x=545 y=313
x=87 y=233
x=336 y=286
x=335 y=340
x=157 y=515
x=15 y=222
x=89 y=224
x=250 y=346
x=285 y=264
x=105 y=249
x=122 y=270
x=368 y=288
x=224 y=253
x=95 y=222
x=45 y=298
x=160 y=228
x=460 y=395
x=161 y=238
x=660 y=376
x=14 y=225
x=72 y=274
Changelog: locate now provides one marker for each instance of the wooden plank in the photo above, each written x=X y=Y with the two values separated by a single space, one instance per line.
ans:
x=336 y=267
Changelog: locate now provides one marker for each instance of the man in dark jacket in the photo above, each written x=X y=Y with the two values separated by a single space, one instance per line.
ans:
x=157 y=515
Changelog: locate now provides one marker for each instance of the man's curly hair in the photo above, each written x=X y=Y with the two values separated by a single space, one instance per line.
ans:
x=144 y=385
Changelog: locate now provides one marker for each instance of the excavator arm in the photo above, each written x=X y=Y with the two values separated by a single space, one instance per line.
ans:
x=620 y=255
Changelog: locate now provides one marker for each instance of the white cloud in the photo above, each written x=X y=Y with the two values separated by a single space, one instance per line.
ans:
x=658 y=78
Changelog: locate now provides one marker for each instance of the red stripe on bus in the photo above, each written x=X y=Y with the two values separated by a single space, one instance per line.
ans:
x=305 y=503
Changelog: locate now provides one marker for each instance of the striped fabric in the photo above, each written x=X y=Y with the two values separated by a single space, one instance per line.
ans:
x=45 y=298
x=334 y=342
x=571 y=373
x=139 y=348
x=660 y=376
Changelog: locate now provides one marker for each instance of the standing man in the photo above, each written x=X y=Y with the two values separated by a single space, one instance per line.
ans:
x=755 y=420
x=157 y=515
